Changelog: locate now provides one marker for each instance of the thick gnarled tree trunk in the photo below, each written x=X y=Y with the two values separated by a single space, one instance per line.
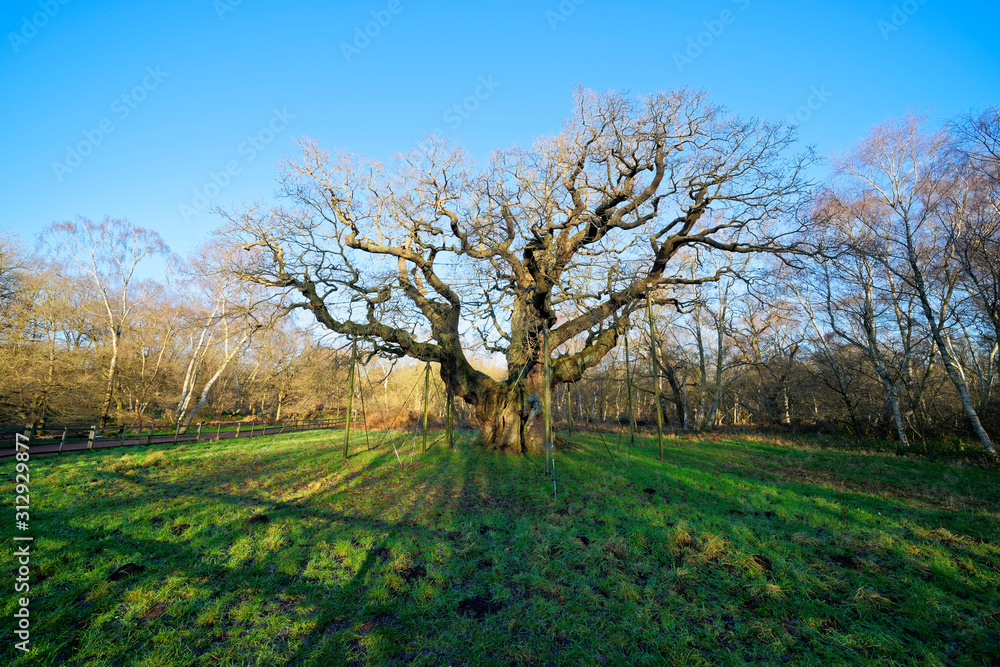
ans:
x=511 y=420
x=509 y=412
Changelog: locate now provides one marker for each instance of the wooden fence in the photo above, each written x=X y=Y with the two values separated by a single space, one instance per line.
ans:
x=81 y=438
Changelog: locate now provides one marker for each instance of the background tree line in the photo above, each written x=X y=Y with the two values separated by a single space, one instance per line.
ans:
x=84 y=340
x=888 y=330
x=888 y=327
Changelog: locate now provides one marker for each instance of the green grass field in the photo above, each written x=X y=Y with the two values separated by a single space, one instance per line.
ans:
x=732 y=552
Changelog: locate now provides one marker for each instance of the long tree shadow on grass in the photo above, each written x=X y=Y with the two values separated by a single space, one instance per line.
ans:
x=206 y=552
x=202 y=552
x=372 y=562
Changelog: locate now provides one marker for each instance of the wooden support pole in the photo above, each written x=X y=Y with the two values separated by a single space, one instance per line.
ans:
x=149 y=436
x=62 y=443
x=631 y=413
x=218 y=431
x=91 y=436
x=121 y=443
x=547 y=401
x=197 y=436
x=239 y=426
x=449 y=419
x=569 y=410
x=252 y=425
x=177 y=431
x=427 y=392
x=656 y=369
x=350 y=399
x=364 y=413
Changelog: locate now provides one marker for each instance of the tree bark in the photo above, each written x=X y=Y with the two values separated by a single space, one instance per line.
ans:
x=675 y=388
x=951 y=366
x=110 y=391
x=510 y=417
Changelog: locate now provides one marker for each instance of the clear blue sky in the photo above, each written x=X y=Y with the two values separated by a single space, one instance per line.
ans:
x=211 y=74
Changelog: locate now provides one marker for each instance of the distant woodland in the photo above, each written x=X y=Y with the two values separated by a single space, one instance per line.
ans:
x=871 y=310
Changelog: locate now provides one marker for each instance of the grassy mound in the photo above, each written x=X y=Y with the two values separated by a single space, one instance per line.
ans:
x=731 y=552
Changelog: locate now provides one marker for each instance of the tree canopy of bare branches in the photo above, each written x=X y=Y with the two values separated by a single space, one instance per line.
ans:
x=108 y=253
x=564 y=239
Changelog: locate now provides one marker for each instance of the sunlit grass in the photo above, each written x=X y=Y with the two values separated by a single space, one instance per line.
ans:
x=733 y=551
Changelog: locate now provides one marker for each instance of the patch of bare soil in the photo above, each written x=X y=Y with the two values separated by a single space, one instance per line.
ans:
x=126 y=570
x=478 y=607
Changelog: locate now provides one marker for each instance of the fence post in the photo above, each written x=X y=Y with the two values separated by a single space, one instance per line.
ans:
x=197 y=436
x=427 y=389
x=239 y=425
x=62 y=443
x=31 y=432
x=177 y=431
x=350 y=399
x=218 y=431
x=252 y=425
x=90 y=437
x=149 y=436
x=121 y=443
x=656 y=369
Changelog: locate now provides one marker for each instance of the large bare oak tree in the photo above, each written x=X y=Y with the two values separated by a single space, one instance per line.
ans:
x=431 y=255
